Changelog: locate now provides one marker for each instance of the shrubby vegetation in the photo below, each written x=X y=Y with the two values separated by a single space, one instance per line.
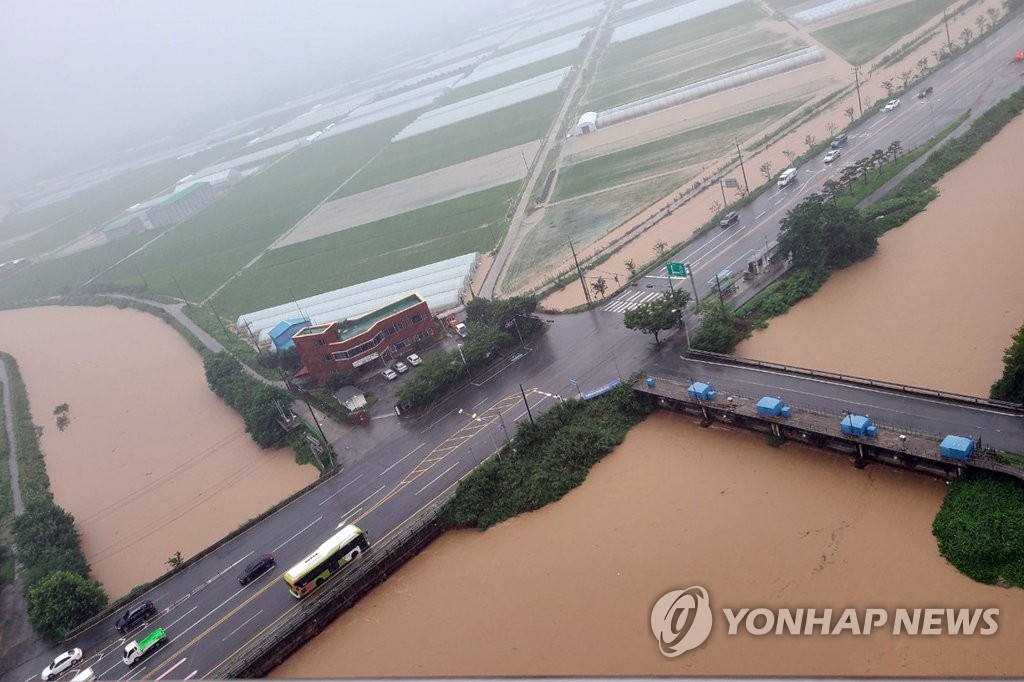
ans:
x=61 y=601
x=545 y=461
x=257 y=402
x=492 y=327
x=720 y=327
x=1010 y=386
x=980 y=529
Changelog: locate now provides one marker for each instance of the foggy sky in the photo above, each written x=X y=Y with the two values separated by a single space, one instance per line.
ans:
x=76 y=75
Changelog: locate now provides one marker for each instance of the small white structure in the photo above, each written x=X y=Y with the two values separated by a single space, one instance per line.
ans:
x=587 y=123
x=351 y=397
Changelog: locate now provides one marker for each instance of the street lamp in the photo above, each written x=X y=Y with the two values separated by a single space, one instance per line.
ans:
x=514 y=316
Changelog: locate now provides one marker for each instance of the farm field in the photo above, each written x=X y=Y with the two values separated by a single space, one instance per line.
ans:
x=491 y=132
x=204 y=251
x=61 y=222
x=858 y=40
x=666 y=154
x=475 y=222
x=681 y=54
x=516 y=75
x=455 y=181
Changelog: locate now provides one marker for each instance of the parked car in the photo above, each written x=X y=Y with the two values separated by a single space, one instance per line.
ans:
x=142 y=611
x=461 y=330
x=61 y=664
x=924 y=93
x=390 y=374
x=254 y=569
x=832 y=155
x=891 y=104
x=414 y=359
x=401 y=367
x=839 y=140
x=731 y=218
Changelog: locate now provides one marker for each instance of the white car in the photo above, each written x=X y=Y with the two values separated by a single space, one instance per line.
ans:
x=832 y=155
x=891 y=104
x=61 y=664
x=390 y=374
x=401 y=367
x=414 y=359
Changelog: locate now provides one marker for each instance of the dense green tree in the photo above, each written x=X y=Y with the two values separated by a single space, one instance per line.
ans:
x=653 y=317
x=44 y=527
x=337 y=379
x=720 y=328
x=821 y=236
x=62 y=601
x=50 y=560
x=1010 y=386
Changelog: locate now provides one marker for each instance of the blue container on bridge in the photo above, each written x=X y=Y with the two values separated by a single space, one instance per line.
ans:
x=701 y=391
x=773 y=407
x=857 y=425
x=956 y=447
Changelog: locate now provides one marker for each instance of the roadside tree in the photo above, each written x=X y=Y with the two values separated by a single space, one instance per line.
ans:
x=661 y=314
x=62 y=601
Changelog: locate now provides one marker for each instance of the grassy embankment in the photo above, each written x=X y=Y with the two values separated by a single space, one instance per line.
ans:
x=545 y=462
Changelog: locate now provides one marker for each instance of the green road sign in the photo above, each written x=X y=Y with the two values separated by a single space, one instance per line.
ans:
x=676 y=269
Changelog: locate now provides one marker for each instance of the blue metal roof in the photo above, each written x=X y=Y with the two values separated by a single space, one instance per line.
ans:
x=283 y=331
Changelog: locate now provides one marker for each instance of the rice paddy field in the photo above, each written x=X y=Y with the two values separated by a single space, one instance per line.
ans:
x=859 y=40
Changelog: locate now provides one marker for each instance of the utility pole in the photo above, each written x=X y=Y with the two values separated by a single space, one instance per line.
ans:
x=721 y=186
x=227 y=334
x=745 y=185
x=856 y=80
x=945 y=20
x=718 y=285
x=180 y=292
x=583 y=282
x=525 y=402
x=144 y=282
x=693 y=283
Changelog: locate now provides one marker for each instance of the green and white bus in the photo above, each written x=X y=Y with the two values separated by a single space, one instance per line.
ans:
x=328 y=559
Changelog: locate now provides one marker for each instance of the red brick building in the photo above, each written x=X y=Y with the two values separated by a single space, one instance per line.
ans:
x=368 y=343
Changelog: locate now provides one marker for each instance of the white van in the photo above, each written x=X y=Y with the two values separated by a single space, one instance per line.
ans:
x=461 y=330
x=788 y=176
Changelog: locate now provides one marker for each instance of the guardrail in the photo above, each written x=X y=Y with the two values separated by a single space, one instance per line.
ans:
x=874 y=383
x=317 y=611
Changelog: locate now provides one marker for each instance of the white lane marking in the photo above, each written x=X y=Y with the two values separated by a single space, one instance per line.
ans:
x=328 y=499
x=316 y=520
x=168 y=671
x=758 y=216
x=363 y=501
x=436 y=478
x=183 y=615
x=438 y=420
x=345 y=521
x=876 y=123
x=404 y=458
x=192 y=674
x=211 y=612
x=238 y=628
x=479 y=404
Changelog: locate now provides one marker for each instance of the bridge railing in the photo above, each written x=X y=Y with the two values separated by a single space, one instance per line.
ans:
x=318 y=610
x=874 y=383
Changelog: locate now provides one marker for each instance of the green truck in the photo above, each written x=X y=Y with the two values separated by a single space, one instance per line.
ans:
x=136 y=651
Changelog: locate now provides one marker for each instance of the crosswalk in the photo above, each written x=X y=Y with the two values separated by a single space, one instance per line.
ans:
x=631 y=300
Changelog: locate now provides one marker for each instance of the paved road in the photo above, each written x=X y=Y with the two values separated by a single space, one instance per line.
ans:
x=975 y=81
x=394 y=468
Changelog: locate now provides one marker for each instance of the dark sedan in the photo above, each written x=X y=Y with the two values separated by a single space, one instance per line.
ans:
x=255 y=568
x=731 y=218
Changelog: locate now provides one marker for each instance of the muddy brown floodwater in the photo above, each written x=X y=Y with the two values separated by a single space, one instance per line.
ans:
x=568 y=590
x=938 y=302
x=152 y=462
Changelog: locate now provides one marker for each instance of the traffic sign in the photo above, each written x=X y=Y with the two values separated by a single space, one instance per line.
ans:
x=732 y=184
x=676 y=269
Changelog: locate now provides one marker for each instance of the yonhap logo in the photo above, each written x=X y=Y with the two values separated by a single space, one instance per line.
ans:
x=681 y=620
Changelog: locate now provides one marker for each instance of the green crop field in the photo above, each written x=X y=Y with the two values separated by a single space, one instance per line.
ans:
x=861 y=39
x=203 y=252
x=458 y=142
x=668 y=153
x=523 y=73
x=73 y=217
x=475 y=222
x=662 y=53
x=687 y=68
x=51 y=277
